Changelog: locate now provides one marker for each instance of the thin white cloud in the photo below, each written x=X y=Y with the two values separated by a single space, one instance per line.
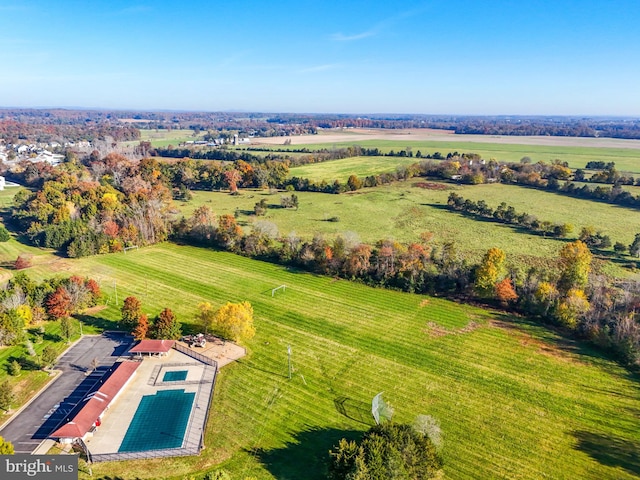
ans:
x=379 y=27
x=341 y=37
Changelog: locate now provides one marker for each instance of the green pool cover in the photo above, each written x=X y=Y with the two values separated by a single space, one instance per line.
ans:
x=159 y=422
x=175 y=376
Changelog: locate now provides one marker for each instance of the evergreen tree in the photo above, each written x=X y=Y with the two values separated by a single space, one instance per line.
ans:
x=387 y=451
x=6 y=395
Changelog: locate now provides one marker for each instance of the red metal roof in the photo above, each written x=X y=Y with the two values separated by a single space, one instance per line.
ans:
x=153 y=346
x=97 y=402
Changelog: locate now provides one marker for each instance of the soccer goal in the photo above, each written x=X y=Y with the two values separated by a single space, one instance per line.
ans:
x=281 y=287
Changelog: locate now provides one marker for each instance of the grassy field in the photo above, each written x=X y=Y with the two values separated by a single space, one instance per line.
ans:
x=627 y=160
x=402 y=211
x=343 y=168
x=163 y=138
x=514 y=400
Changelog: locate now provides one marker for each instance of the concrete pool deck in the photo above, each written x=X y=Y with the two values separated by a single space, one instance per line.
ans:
x=148 y=380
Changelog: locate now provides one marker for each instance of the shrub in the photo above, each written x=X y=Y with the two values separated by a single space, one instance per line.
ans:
x=14 y=368
x=4 y=234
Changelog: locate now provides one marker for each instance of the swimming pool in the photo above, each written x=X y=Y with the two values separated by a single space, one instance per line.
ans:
x=175 y=376
x=159 y=422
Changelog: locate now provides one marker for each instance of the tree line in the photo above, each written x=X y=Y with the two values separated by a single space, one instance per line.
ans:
x=504 y=213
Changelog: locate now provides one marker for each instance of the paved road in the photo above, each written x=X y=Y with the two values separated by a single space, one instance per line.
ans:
x=58 y=402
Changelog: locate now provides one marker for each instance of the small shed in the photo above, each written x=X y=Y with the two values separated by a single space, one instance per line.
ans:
x=153 y=347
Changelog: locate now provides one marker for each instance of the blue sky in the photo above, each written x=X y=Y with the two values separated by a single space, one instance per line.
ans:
x=573 y=57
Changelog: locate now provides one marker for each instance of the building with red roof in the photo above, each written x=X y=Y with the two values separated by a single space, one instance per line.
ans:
x=159 y=347
x=96 y=404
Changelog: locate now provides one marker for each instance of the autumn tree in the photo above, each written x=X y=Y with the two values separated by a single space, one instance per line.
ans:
x=490 y=271
x=232 y=177
x=505 y=292
x=228 y=232
x=544 y=296
x=58 y=303
x=22 y=262
x=572 y=307
x=354 y=183
x=142 y=328
x=357 y=262
x=234 y=321
x=206 y=315
x=6 y=447
x=166 y=326
x=94 y=290
x=131 y=312
x=78 y=292
x=575 y=264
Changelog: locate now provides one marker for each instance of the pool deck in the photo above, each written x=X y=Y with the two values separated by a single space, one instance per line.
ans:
x=221 y=351
x=148 y=380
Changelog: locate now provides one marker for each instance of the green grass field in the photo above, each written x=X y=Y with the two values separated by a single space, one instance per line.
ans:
x=164 y=138
x=343 y=168
x=626 y=159
x=402 y=211
x=514 y=400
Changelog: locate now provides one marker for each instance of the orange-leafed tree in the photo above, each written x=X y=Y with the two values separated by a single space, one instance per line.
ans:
x=142 y=328
x=166 y=326
x=22 y=262
x=232 y=177
x=131 y=312
x=228 y=231
x=505 y=291
x=94 y=289
x=59 y=303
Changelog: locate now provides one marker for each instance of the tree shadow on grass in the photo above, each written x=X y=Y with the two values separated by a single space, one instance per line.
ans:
x=307 y=456
x=26 y=363
x=99 y=322
x=609 y=450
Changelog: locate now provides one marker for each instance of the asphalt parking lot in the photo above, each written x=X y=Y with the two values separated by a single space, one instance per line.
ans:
x=56 y=404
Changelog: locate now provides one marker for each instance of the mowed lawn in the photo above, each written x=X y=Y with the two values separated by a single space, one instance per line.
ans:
x=626 y=159
x=514 y=400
